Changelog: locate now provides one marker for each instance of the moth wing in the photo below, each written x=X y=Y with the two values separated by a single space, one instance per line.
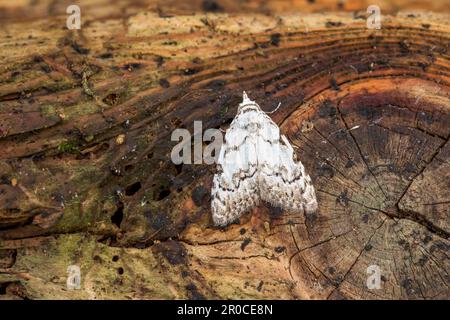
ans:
x=282 y=180
x=235 y=187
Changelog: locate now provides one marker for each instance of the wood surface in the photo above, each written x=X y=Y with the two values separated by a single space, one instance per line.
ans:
x=86 y=118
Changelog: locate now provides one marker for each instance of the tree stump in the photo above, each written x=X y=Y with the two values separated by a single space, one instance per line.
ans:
x=86 y=177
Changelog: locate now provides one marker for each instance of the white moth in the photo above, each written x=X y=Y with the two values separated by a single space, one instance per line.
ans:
x=255 y=163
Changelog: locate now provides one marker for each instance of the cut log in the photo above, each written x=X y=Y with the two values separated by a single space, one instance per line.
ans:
x=86 y=177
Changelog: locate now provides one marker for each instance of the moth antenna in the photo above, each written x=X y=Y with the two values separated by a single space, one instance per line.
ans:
x=274 y=110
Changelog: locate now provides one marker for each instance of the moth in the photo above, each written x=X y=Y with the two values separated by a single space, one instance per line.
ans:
x=257 y=164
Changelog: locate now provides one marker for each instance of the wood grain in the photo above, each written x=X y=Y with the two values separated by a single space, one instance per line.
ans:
x=368 y=112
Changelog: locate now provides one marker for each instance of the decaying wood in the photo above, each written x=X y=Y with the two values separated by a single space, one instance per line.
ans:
x=86 y=177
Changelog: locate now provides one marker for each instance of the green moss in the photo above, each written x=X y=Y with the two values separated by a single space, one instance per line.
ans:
x=68 y=147
x=80 y=109
x=48 y=110
x=223 y=111
x=106 y=272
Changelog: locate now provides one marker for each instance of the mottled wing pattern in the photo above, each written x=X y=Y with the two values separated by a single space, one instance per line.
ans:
x=235 y=186
x=256 y=163
x=282 y=181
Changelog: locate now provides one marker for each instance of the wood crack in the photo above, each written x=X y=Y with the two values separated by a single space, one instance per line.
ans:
x=359 y=150
x=356 y=260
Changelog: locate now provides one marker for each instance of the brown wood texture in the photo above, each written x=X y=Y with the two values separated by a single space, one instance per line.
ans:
x=85 y=171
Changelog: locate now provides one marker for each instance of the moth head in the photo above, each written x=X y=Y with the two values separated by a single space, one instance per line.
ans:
x=247 y=102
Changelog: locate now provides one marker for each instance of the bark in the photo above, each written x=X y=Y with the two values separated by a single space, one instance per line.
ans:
x=86 y=177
